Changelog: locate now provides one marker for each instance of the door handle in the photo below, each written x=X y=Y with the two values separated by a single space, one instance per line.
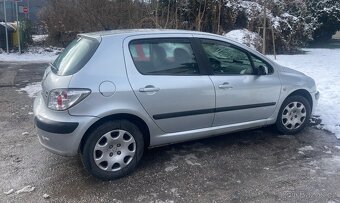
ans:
x=225 y=85
x=149 y=88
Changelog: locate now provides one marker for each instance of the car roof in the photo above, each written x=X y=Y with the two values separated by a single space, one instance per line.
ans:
x=129 y=32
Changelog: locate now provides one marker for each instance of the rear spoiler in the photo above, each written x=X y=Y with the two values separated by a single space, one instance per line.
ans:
x=89 y=36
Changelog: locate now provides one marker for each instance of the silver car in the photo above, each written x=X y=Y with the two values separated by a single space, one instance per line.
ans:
x=110 y=95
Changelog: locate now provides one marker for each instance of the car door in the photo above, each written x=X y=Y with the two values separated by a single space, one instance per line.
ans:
x=165 y=75
x=241 y=94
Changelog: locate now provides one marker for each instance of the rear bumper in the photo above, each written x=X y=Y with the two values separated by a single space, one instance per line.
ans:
x=54 y=126
x=58 y=131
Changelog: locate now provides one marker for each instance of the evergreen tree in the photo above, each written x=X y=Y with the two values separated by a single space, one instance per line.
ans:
x=326 y=17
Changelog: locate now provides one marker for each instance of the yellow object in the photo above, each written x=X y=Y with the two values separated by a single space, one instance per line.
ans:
x=15 y=34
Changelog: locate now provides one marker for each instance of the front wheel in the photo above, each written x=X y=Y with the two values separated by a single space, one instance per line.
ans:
x=113 y=149
x=294 y=115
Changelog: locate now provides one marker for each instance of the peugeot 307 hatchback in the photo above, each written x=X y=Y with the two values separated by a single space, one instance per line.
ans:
x=110 y=95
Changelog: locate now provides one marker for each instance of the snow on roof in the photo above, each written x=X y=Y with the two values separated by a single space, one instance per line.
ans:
x=9 y=26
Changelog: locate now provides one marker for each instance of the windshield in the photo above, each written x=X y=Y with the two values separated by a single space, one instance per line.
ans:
x=75 y=56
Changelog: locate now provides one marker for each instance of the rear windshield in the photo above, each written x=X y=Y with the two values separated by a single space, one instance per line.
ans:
x=75 y=56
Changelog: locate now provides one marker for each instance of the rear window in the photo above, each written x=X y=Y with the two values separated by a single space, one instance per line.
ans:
x=75 y=56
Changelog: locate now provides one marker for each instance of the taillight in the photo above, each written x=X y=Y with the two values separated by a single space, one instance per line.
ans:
x=63 y=99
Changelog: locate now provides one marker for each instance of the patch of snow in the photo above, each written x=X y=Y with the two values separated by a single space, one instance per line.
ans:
x=251 y=8
x=306 y=148
x=174 y=191
x=323 y=66
x=25 y=133
x=9 y=192
x=32 y=89
x=9 y=25
x=244 y=36
x=337 y=147
x=34 y=54
x=170 y=168
x=141 y=198
x=191 y=159
x=332 y=165
x=166 y=201
x=116 y=201
x=26 y=189
x=46 y=196
x=39 y=38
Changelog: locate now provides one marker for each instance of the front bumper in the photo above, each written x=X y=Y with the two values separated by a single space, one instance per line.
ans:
x=58 y=131
x=315 y=97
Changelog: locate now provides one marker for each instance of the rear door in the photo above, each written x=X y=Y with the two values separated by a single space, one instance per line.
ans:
x=241 y=94
x=165 y=75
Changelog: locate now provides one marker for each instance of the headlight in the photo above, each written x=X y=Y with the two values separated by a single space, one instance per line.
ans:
x=63 y=99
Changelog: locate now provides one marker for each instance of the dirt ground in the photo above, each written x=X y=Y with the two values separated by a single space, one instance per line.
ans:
x=253 y=166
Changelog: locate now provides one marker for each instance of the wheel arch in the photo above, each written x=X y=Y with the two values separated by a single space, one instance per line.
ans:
x=304 y=93
x=130 y=117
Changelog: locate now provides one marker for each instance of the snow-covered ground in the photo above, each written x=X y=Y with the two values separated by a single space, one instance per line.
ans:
x=32 y=89
x=34 y=54
x=39 y=38
x=324 y=66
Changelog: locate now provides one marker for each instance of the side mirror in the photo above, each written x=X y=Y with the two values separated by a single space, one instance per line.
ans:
x=262 y=70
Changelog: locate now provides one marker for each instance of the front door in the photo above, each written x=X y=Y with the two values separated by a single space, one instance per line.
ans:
x=241 y=94
x=168 y=82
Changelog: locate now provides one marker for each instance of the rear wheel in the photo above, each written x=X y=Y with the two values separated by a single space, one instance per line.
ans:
x=113 y=149
x=294 y=115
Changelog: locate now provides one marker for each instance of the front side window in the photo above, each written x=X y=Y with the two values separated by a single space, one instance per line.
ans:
x=163 y=57
x=227 y=60
x=259 y=62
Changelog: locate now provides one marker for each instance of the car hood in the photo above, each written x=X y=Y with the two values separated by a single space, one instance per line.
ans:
x=291 y=76
x=289 y=70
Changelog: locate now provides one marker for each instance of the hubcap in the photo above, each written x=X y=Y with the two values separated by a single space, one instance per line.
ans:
x=114 y=150
x=294 y=115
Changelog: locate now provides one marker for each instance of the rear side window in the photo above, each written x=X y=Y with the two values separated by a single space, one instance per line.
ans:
x=75 y=56
x=164 y=57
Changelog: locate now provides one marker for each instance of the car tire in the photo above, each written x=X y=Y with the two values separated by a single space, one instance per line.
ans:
x=294 y=115
x=113 y=149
